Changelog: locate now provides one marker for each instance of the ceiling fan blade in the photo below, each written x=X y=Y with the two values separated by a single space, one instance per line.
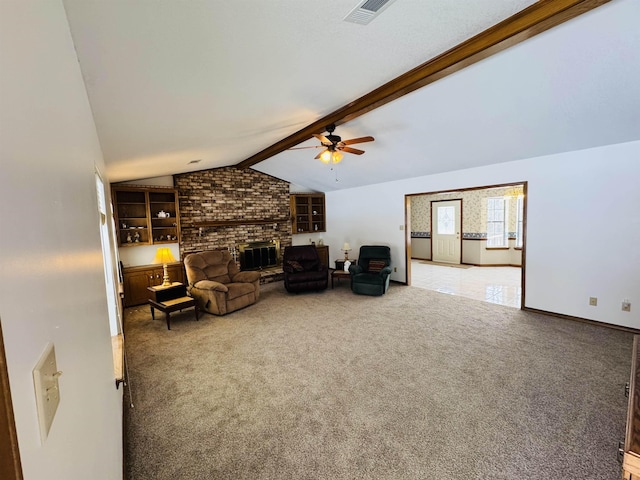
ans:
x=324 y=140
x=318 y=155
x=358 y=140
x=303 y=148
x=352 y=150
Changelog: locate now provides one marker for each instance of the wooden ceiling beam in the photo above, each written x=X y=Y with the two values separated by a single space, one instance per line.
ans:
x=537 y=18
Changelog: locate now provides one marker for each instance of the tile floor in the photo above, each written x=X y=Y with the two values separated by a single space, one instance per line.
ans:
x=499 y=285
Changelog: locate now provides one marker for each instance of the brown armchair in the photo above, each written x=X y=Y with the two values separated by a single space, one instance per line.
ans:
x=217 y=284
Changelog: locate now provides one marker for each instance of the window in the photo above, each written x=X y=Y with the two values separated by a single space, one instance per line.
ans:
x=519 y=221
x=497 y=222
x=446 y=220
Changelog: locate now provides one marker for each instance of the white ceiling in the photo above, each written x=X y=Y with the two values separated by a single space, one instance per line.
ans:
x=172 y=81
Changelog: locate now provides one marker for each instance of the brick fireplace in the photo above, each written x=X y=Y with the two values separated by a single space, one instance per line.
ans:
x=228 y=208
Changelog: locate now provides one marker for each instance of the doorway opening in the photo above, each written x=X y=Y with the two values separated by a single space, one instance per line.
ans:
x=109 y=268
x=469 y=242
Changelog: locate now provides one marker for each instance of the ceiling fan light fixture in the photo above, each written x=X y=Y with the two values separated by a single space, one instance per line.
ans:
x=325 y=157
x=334 y=146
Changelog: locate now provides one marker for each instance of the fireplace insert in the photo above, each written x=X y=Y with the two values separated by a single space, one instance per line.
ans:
x=259 y=255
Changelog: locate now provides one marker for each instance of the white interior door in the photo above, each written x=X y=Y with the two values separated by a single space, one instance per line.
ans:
x=446 y=245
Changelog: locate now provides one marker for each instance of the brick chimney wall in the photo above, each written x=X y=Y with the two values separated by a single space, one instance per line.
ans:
x=230 y=194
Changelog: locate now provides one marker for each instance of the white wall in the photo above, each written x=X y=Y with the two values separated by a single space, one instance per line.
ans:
x=421 y=248
x=144 y=254
x=52 y=286
x=583 y=226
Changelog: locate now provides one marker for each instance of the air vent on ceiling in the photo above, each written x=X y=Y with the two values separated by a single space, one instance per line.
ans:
x=367 y=11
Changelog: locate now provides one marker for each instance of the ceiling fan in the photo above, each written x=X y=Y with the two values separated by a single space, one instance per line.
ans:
x=334 y=146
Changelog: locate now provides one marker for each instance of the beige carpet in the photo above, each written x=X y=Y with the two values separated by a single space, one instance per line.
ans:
x=411 y=385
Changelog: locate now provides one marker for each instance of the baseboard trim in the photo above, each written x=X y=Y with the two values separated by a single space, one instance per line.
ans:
x=582 y=320
x=492 y=264
x=475 y=264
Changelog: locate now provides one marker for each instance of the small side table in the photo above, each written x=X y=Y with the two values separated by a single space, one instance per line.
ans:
x=339 y=274
x=340 y=264
x=170 y=299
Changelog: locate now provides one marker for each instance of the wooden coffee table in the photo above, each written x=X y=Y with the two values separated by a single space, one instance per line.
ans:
x=170 y=299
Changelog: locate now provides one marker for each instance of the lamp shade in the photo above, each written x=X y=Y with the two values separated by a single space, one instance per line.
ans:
x=325 y=157
x=331 y=155
x=164 y=256
x=346 y=246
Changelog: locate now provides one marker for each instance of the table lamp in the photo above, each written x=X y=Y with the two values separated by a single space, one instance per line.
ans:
x=164 y=256
x=347 y=248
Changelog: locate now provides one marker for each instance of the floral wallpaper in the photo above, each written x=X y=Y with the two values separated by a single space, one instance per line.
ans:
x=474 y=210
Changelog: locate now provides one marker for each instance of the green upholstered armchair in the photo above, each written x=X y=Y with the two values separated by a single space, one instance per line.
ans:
x=371 y=275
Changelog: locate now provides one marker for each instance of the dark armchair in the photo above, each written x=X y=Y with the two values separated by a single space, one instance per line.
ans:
x=371 y=275
x=303 y=270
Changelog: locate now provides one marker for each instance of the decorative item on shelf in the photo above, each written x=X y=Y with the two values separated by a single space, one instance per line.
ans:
x=136 y=237
x=124 y=225
x=163 y=214
x=129 y=239
x=346 y=248
x=164 y=256
x=315 y=227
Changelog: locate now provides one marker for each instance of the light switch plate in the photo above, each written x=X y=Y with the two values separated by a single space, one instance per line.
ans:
x=45 y=380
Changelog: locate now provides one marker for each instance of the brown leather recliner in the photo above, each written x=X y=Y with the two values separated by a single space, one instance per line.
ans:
x=216 y=283
x=303 y=270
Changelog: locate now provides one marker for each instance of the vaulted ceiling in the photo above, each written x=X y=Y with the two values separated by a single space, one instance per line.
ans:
x=172 y=82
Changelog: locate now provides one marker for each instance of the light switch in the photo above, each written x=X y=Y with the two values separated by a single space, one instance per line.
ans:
x=45 y=380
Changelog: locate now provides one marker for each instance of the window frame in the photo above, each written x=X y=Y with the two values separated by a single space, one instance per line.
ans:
x=492 y=237
x=519 y=222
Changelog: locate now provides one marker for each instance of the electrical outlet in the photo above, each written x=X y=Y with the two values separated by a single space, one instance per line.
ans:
x=626 y=306
x=593 y=301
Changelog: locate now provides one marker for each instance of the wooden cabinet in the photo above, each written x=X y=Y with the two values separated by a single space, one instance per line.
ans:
x=137 y=279
x=323 y=253
x=146 y=216
x=307 y=213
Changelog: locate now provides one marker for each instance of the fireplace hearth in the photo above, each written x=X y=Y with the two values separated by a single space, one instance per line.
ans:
x=259 y=255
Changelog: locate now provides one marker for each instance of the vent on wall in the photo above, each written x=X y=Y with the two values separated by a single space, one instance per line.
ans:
x=366 y=11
